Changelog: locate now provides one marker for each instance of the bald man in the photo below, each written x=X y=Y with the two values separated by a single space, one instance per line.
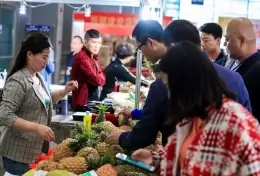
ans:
x=241 y=46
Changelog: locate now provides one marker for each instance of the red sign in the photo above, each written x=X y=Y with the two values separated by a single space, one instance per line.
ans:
x=166 y=20
x=113 y=23
x=112 y=19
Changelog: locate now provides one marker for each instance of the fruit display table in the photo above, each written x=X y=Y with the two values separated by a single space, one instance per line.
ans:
x=86 y=150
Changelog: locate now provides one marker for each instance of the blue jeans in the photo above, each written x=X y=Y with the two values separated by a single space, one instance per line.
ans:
x=15 y=168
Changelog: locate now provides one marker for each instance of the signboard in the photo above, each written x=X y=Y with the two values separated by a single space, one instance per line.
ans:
x=197 y=2
x=40 y=28
x=112 y=23
x=114 y=18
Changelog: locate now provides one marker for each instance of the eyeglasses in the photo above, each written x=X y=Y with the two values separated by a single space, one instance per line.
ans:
x=139 y=47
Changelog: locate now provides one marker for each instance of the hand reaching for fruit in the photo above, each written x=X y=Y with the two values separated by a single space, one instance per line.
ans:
x=125 y=112
x=113 y=138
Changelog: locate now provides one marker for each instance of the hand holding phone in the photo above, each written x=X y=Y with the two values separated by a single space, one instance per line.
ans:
x=130 y=160
x=143 y=155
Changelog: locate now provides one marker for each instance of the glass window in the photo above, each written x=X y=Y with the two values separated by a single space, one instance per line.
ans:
x=6 y=28
x=213 y=9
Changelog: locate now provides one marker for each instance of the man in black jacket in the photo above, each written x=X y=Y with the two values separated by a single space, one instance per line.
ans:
x=241 y=45
x=211 y=34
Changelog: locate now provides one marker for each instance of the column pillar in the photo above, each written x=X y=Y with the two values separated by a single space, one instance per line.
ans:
x=58 y=43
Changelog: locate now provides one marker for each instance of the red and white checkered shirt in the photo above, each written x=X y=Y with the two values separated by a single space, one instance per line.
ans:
x=228 y=145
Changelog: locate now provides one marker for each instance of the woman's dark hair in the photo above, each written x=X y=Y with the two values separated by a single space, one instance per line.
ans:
x=124 y=50
x=193 y=82
x=35 y=43
x=80 y=38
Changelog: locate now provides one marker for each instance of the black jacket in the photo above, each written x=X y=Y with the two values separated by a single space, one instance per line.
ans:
x=115 y=71
x=221 y=59
x=250 y=71
x=154 y=115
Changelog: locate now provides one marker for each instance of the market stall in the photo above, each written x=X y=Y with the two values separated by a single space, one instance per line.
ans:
x=80 y=145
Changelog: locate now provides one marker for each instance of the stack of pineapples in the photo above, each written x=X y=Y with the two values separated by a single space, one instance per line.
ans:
x=87 y=151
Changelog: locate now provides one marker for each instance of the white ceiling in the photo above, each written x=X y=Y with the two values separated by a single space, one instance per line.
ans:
x=134 y=3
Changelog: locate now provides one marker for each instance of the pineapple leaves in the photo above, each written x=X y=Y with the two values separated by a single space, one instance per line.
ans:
x=149 y=65
x=101 y=111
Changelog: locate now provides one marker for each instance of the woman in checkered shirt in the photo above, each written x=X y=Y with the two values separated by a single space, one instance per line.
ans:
x=26 y=107
x=215 y=135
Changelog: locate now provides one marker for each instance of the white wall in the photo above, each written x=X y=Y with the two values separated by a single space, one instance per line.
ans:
x=212 y=9
x=78 y=28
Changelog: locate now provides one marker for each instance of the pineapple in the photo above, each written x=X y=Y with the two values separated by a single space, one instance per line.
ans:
x=109 y=127
x=125 y=128
x=123 y=169
x=62 y=150
x=51 y=158
x=89 y=154
x=102 y=136
x=106 y=159
x=93 y=164
x=77 y=165
x=122 y=120
x=84 y=138
x=41 y=165
x=106 y=170
x=115 y=149
x=98 y=128
x=90 y=143
x=158 y=141
x=47 y=165
x=101 y=109
x=70 y=147
x=102 y=148
x=133 y=123
x=149 y=66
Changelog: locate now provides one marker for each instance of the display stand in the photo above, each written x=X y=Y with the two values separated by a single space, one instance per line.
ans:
x=157 y=8
x=138 y=78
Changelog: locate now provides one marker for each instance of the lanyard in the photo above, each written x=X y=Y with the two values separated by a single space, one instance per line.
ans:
x=250 y=57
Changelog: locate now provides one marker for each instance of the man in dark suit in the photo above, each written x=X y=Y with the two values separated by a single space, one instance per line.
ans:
x=149 y=34
x=241 y=45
